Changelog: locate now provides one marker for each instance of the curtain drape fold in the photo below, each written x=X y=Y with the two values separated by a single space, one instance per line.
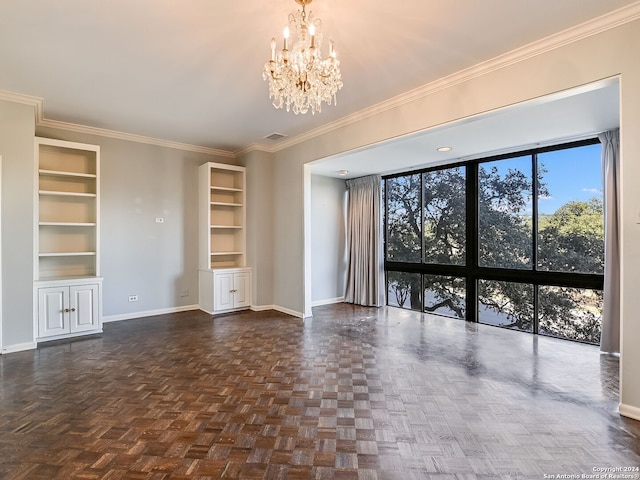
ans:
x=365 y=266
x=610 y=336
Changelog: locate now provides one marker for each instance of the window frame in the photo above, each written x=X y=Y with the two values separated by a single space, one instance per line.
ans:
x=471 y=271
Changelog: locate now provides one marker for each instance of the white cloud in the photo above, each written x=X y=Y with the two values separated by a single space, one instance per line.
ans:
x=595 y=191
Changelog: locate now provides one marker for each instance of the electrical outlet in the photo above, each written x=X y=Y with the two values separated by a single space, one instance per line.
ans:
x=159 y=219
x=184 y=292
x=133 y=298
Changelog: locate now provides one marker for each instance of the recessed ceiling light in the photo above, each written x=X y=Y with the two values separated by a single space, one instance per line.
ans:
x=343 y=173
x=445 y=149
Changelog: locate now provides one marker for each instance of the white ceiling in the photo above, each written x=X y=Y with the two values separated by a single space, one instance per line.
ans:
x=190 y=71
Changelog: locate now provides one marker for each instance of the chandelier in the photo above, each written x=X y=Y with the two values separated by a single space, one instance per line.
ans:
x=299 y=78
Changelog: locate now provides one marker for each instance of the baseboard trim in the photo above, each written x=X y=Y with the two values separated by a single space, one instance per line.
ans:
x=19 y=347
x=262 y=308
x=148 y=313
x=288 y=311
x=328 y=301
x=629 y=411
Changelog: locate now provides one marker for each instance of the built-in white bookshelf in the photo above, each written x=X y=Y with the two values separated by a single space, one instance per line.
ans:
x=222 y=216
x=67 y=207
x=67 y=238
x=224 y=279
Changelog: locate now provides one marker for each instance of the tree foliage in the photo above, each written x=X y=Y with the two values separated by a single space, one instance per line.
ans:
x=504 y=230
x=445 y=216
x=403 y=219
x=572 y=239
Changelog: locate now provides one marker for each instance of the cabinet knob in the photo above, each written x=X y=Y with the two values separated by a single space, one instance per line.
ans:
x=73 y=309
x=66 y=310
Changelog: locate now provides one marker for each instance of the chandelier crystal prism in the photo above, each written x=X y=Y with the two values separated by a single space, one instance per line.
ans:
x=299 y=78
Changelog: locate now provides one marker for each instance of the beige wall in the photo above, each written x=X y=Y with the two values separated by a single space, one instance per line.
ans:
x=260 y=226
x=328 y=253
x=18 y=180
x=600 y=56
x=288 y=263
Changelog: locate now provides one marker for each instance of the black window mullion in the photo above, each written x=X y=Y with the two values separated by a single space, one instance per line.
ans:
x=422 y=301
x=472 y=230
x=534 y=211
x=534 y=236
x=386 y=239
x=536 y=320
x=385 y=220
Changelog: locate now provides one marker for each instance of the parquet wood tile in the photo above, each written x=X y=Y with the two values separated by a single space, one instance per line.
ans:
x=354 y=393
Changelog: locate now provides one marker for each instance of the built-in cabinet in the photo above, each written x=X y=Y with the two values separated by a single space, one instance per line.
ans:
x=225 y=289
x=67 y=289
x=68 y=309
x=224 y=279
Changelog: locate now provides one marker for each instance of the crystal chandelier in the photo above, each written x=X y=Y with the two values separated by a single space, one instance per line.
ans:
x=299 y=78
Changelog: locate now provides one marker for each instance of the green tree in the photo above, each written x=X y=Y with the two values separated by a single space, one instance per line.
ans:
x=570 y=313
x=572 y=238
x=504 y=229
x=445 y=209
x=403 y=218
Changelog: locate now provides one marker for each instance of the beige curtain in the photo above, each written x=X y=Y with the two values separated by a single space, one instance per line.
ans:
x=365 y=267
x=610 y=337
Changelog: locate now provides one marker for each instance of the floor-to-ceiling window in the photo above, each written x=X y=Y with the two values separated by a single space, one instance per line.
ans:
x=515 y=241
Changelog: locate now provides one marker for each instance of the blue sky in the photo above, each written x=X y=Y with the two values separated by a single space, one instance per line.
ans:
x=572 y=174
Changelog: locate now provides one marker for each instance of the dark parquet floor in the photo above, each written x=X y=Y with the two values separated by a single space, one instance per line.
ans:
x=354 y=393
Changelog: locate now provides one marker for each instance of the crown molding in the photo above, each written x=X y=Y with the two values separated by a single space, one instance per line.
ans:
x=131 y=137
x=255 y=147
x=584 y=30
x=41 y=121
x=35 y=102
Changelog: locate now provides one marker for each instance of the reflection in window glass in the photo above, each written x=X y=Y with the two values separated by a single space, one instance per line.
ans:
x=404 y=289
x=573 y=313
x=444 y=216
x=570 y=211
x=506 y=304
x=445 y=295
x=403 y=219
x=504 y=213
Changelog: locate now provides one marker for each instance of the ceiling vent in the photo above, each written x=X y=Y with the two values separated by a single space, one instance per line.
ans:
x=275 y=136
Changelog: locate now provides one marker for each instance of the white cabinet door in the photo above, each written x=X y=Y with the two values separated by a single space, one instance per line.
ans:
x=223 y=291
x=68 y=309
x=242 y=290
x=52 y=311
x=83 y=306
x=231 y=290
